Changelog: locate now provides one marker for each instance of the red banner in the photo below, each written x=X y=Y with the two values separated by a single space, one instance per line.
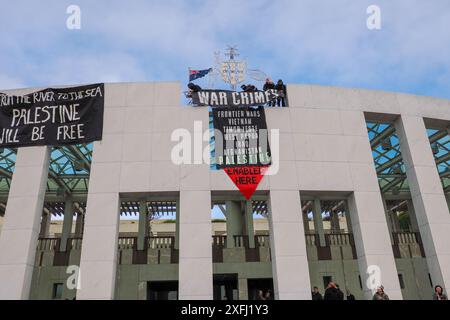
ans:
x=246 y=178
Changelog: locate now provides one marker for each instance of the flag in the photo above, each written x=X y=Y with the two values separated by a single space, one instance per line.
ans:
x=196 y=74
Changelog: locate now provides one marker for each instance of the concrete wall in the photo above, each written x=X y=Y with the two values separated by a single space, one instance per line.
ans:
x=323 y=147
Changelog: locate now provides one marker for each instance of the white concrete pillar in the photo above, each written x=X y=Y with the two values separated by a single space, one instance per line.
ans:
x=288 y=248
x=428 y=198
x=143 y=223
x=195 y=264
x=67 y=224
x=373 y=245
x=98 y=262
x=21 y=223
x=99 y=250
x=318 y=223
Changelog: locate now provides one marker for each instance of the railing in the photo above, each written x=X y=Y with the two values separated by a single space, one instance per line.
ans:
x=262 y=241
x=127 y=242
x=75 y=243
x=409 y=239
x=48 y=244
x=310 y=239
x=53 y=244
x=339 y=239
x=153 y=243
x=406 y=237
x=160 y=242
x=240 y=241
x=219 y=241
x=331 y=239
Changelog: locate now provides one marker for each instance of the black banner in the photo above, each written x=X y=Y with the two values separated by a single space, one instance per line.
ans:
x=241 y=137
x=224 y=98
x=52 y=116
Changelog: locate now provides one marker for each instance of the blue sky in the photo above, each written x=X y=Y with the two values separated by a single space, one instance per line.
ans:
x=300 y=41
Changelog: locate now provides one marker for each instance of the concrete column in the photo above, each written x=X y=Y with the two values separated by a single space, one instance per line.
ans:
x=373 y=245
x=428 y=198
x=67 y=224
x=45 y=224
x=195 y=266
x=99 y=251
x=288 y=248
x=79 y=224
x=335 y=221
x=348 y=218
x=143 y=223
x=318 y=223
x=21 y=223
x=395 y=221
x=305 y=222
x=243 y=289
x=389 y=222
x=412 y=216
x=177 y=227
x=98 y=263
x=235 y=221
x=249 y=224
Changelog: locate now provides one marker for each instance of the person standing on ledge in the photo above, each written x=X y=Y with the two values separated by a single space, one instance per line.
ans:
x=281 y=90
x=269 y=85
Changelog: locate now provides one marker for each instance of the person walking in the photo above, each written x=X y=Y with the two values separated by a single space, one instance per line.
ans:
x=380 y=294
x=268 y=295
x=260 y=295
x=340 y=293
x=331 y=293
x=439 y=293
x=350 y=296
x=316 y=296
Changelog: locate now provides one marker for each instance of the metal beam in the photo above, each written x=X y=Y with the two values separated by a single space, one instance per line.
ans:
x=381 y=136
x=438 y=135
x=392 y=184
x=389 y=163
x=80 y=156
x=5 y=173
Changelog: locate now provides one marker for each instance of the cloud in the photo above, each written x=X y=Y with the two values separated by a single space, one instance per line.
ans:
x=315 y=41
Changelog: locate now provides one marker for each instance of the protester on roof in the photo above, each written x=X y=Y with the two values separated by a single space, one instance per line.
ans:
x=194 y=87
x=269 y=85
x=281 y=91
